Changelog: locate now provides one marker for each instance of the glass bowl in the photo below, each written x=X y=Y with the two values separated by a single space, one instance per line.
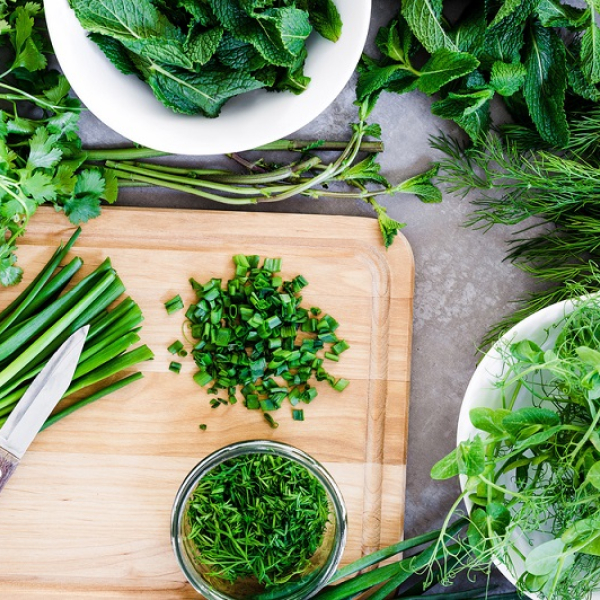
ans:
x=324 y=561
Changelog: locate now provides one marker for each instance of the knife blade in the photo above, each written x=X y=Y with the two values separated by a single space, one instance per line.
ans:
x=32 y=410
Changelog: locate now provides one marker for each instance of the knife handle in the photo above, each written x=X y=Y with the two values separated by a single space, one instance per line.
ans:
x=8 y=464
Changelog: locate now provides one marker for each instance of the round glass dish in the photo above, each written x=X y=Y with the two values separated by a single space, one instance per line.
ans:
x=325 y=560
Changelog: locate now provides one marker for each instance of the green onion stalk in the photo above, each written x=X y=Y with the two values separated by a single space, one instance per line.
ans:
x=45 y=314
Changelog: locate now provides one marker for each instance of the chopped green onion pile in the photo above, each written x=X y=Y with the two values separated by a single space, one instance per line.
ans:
x=253 y=335
x=259 y=517
x=45 y=314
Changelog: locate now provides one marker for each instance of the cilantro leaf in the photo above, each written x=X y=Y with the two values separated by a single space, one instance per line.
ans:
x=80 y=209
x=9 y=273
x=38 y=185
x=42 y=150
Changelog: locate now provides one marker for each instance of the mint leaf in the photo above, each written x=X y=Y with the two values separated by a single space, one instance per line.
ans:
x=422 y=186
x=239 y=55
x=553 y=13
x=124 y=20
x=444 y=66
x=201 y=45
x=506 y=78
x=389 y=227
x=468 y=109
x=323 y=15
x=518 y=9
x=115 y=52
x=203 y=92
x=424 y=18
x=504 y=42
x=590 y=48
x=365 y=171
x=545 y=84
x=377 y=78
x=469 y=34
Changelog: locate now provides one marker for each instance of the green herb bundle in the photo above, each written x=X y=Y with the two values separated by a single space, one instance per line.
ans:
x=253 y=335
x=535 y=470
x=195 y=56
x=533 y=54
x=258 y=518
x=48 y=311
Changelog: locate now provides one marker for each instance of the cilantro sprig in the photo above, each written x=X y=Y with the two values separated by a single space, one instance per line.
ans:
x=40 y=151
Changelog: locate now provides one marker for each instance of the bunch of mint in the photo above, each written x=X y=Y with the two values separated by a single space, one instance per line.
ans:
x=197 y=55
x=537 y=55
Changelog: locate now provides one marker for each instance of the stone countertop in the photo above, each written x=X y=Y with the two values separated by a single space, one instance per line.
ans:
x=462 y=285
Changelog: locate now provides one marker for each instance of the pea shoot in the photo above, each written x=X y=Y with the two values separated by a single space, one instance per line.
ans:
x=259 y=517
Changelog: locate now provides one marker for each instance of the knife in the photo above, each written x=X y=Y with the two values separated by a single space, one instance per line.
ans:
x=32 y=410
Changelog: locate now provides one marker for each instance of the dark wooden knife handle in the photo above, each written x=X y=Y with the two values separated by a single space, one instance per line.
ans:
x=8 y=464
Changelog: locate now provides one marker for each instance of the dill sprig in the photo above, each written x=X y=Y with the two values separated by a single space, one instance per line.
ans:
x=555 y=197
x=259 y=517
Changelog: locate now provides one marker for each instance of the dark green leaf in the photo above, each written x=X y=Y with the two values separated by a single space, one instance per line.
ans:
x=115 y=52
x=590 y=49
x=324 y=17
x=545 y=84
x=424 y=18
x=554 y=13
x=201 y=44
x=421 y=186
x=518 y=420
x=444 y=66
x=80 y=209
x=204 y=92
x=507 y=78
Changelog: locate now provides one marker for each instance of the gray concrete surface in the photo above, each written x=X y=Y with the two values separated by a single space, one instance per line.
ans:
x=462 y=284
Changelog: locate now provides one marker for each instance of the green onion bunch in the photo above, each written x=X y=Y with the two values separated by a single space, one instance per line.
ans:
x=253 y=334
x=45 y=314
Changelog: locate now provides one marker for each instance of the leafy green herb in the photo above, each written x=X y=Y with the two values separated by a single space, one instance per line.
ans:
x=536 y=468
x=196 y=58
x=515 y=184
x=40 y=319
x=507 y=48
x=259 y=517
x=253 y=335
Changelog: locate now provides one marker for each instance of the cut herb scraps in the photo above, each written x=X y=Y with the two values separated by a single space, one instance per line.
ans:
x=259 y=517
x=252 y=335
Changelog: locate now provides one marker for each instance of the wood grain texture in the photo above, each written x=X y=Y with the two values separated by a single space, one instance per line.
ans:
x=86 y=516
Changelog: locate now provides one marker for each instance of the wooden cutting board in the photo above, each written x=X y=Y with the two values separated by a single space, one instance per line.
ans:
x=87 y=513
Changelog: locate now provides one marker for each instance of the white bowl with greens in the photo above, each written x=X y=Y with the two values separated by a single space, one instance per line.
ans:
x=128 y=105
x=529 y=452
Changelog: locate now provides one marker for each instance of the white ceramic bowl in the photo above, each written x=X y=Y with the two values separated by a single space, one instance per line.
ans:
x=543 y=328
x=127 y=105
